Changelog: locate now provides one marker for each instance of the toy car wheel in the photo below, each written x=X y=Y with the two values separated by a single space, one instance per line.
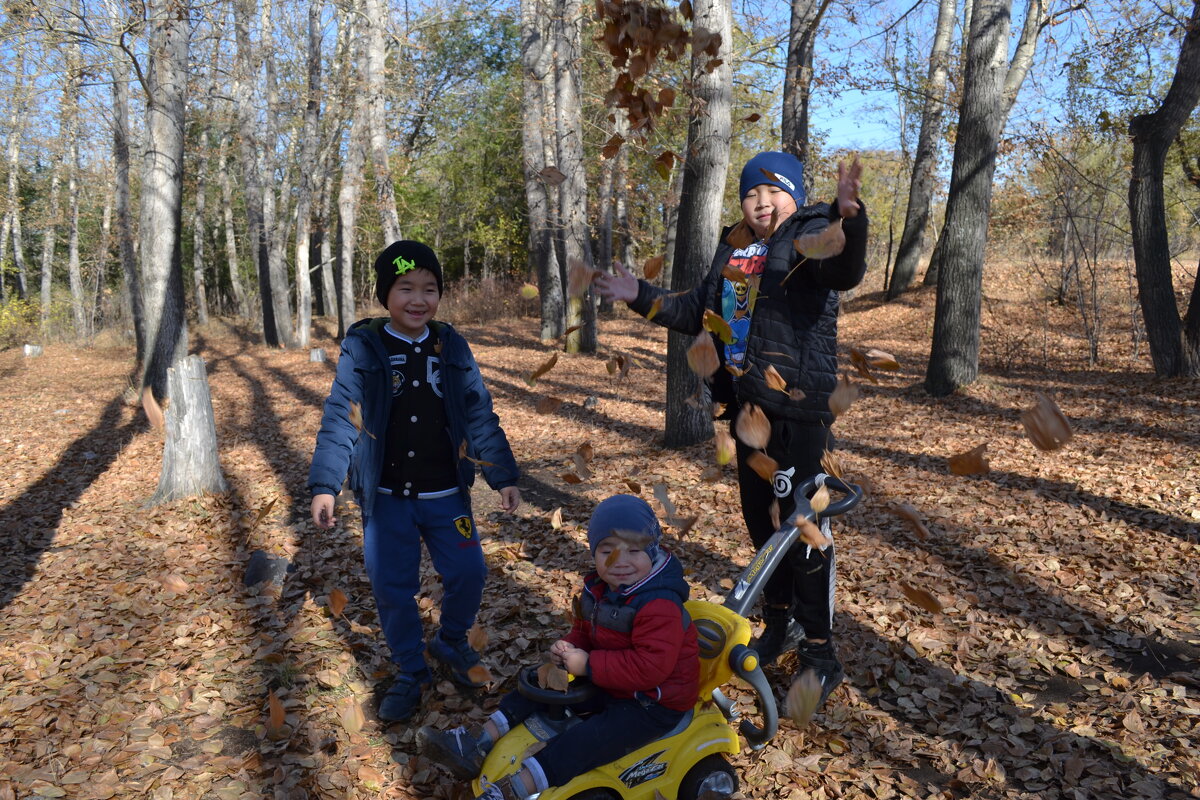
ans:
x=712 y=777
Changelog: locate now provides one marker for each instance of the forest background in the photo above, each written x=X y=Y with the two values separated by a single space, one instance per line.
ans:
x=215 y=179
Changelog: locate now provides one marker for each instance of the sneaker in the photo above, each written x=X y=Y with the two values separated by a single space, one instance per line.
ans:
x=458 y=657
x=822 y=659
x=403 y=698
x=781 y=633
x=457 y=749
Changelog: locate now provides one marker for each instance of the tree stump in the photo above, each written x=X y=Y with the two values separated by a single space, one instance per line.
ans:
x=316 y=354
x=33 y=350
x=190 y=464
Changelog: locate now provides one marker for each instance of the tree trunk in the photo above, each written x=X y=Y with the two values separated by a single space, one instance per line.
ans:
x=671 y=225
x=12 y=218
x=797 y=80
x=48 y=245
x=200 y=291
x=348 y=197
x=275 y=200
x=71 y=95
x=308 y=169
x=1174 y=351
x=572 y=192
x=119 y=71
x=231 y=250
x=920 y=191
x=160 y=219
x=374 y=66
x=700 y=215
x=325 y=246
x=542 y=263
x=190 y=463
x=954 y=358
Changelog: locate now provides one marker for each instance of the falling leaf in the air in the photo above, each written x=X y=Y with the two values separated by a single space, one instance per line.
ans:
x=811 y=533
x=702 y=356
x=552 y=175
x=612 y=146
x=733 y=273
x=337 y=602
x=831 y=464
x=763 y=465
x=529 y=291
x=843 y=396
x=571 y=478
x=740 y=236
x=545 y=367
x=820 y=499
x=480 y=674
x=356 y=418
x=262 y=514
x=774 y=512
x=581 y=466
x=174 y=583
x=660 y=492
x=726 y=447
x=652 y=268
x=275 y=717
x=972 y=462
x=803 y=698
x=922 y=598
x=755 y=117
x=462 y=453
x=683 y=525
x=774 y=379
x=154 y=411
x=633 y=486
x=586 y=451
x=655 y=307
x=716 y=324
x=828 y=242
x=579 y=278
x=1045 y=425
x=752 y=427
x=556 y=519
x=913 y=517
x=351 y=715
x=477 y=637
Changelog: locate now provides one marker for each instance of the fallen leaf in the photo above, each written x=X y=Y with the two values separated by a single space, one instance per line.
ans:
x=921 y=598
x=337 y=602
x=371 y=778
x=752 y=427
x=275 y=717
x=351 y=715
x=174 y=583
x=1045 y=425
x=262 y=514
x=803 y=698
x=553 y=678
x=571 y=478
x=702 y=356
x=972 y=462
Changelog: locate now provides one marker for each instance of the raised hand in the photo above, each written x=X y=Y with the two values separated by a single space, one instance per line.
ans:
x=622 y=286
x=849 y=185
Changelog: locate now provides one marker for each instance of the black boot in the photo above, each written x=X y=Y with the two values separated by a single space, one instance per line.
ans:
x=781 y=633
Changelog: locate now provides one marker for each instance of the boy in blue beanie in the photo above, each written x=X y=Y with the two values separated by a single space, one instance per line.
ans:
x=788 y=322
x=633 y=639
x=407 y=416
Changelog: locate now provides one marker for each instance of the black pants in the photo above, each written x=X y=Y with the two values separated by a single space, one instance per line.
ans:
x=615 y=728
x=804 y=580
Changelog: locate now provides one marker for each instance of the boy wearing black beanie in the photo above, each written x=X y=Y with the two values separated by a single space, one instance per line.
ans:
x=407 y=419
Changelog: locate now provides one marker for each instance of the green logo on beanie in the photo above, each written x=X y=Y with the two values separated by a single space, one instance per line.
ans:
x=403 y=265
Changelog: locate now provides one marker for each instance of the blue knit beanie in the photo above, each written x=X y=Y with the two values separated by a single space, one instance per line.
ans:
x=624 y=512
x=787 y=169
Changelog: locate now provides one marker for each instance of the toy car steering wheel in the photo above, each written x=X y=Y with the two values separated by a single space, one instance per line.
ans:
x=579 y=690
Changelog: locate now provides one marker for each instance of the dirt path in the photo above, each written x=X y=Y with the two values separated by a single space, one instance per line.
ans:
x=134 y=663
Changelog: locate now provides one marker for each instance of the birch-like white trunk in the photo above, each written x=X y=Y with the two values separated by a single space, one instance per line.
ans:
x=119 y=72
x=231 y=249
x=308 y=166
x=199 y=288
x=49 y=235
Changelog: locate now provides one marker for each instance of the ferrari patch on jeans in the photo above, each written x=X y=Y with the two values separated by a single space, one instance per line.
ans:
x=463 y=525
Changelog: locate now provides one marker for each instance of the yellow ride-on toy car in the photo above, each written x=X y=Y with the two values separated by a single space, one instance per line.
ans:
x=688 y=763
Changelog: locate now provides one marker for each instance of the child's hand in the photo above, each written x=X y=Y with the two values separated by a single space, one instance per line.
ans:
x=575 y=660
x=849 y=185
x=322 y=511
x=557 y=651
x=622 y=286
x=510 y=498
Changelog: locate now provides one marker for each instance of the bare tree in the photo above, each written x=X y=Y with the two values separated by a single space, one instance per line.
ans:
x=797 y=82
x=199 y=289
x=70 y=123
x=572 y=192
x=920 y=191
x=12 y=213
x=375 y=20
x=990 y=88
x=1175 y=351
x=709 y=134
x=230 y=230
x=308 y=167
x=535 y=58
x=348 y=195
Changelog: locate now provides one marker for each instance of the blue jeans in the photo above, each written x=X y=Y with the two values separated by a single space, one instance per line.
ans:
x=392 y=551
x=615 y=728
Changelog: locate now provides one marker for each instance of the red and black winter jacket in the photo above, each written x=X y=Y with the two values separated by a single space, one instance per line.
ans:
x=640 y=639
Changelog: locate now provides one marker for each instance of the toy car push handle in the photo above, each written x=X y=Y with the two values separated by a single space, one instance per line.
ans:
x=754 y=578
x=744 y=662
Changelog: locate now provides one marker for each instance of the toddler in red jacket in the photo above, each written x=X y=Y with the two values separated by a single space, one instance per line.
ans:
x=632 y=639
